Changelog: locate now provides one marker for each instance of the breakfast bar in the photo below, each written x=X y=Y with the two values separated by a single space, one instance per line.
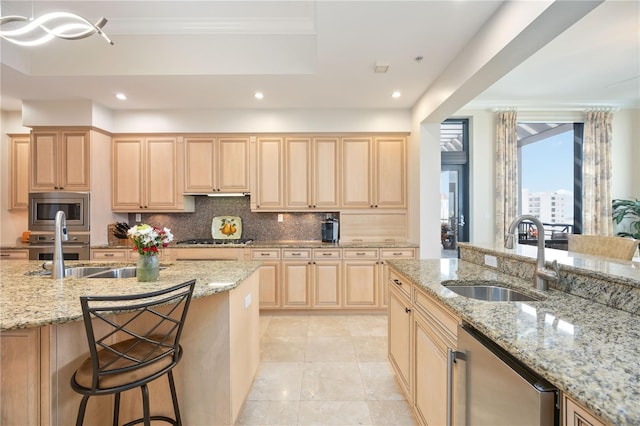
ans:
x=43 y=341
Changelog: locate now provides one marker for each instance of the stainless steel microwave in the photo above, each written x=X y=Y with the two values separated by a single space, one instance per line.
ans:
x=43 y=207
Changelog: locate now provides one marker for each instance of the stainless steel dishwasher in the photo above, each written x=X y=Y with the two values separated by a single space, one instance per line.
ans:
x=492 y=388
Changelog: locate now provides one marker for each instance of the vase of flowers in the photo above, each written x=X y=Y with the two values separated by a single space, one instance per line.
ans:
x=147 y=241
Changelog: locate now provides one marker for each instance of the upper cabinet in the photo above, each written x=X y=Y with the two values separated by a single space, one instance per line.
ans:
x=60 y=160
x=312 y=173
x=268 y=194
x=216 y=164
x=147 y=175
x=374 y=172
x=19 y=172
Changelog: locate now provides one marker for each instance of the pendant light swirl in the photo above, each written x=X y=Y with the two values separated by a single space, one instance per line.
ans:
x=64 y=25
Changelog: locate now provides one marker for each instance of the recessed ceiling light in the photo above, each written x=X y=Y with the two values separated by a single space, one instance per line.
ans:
x=258 y=95
x=396 y=94
x=121 y=96
x=381 y=68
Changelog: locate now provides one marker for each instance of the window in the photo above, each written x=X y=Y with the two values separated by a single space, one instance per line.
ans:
x=550 y=173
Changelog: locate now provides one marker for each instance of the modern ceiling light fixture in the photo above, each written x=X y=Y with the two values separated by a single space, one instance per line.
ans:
x=36 y=31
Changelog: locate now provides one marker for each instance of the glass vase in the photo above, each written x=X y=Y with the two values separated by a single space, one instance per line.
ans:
x=148 y=268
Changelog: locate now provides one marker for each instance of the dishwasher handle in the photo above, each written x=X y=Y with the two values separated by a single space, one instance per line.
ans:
x=452 y=357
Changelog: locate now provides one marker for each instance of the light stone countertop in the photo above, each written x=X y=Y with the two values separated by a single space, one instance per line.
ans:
x=586 y=349
x=288 y=244
x=34 y=300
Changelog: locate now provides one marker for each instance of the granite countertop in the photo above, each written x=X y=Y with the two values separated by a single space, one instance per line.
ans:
x=586 y=349
x=288 y=244
x=34 y=300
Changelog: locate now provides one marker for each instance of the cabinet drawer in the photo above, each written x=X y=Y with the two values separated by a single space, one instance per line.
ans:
x=304 y=254
x=576 y=415
x=398 y=253
x=109 y=254
x=445 y=321
x=400 y=283
x=258 y=254
x=14 y=254
x=360 y=253
x=319 y=254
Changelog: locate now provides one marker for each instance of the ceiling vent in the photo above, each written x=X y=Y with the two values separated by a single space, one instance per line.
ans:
x=381 y=68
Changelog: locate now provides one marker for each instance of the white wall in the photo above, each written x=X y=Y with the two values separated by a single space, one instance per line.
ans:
x=625 y=154
x=12 y=223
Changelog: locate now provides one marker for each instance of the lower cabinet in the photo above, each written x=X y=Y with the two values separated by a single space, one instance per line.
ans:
x=400 y=323
x=20 y=378
x=325 y=278
x=576 y=415
x=14 y=254
x=421 y=331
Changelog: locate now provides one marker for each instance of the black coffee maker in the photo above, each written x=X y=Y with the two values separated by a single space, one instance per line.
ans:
x=330 y=230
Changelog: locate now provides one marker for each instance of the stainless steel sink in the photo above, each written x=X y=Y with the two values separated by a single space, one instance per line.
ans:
x=83 y=271
x=488 y=292
x=127 y=272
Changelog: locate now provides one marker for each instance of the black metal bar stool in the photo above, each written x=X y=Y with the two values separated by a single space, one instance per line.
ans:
x=146 y=347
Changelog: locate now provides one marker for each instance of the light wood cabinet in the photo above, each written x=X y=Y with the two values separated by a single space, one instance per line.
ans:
x=296 y=278
x=146 y=175
x=269 y=277
x=576 y=415
x=374 y=172
x=60 y=160
x=20 y=378
x=14 y=254
x=385 y=255
x=400 y=325
x=360 y=278
x=311 y=173
x=216 y=164
x=19 y=172
x=326 y=278
x=269 y=194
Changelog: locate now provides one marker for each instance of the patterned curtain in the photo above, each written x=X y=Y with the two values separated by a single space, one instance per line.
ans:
x=506 y=172
x=596 y=174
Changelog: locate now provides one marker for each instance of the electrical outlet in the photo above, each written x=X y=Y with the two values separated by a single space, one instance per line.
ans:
x=247 y=300
x=280 y=217
x=490 y=261
x=138 y=217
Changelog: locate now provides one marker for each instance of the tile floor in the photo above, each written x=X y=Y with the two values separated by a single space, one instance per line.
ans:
x=325 y=370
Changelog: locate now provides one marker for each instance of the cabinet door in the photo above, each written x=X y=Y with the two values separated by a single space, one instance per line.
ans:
x=295 y=283
x=298 y=173
x=430 y=375
x=356 y=173
x=327 y=284
x=199 y=164
x=233 y=164
x=400 y=320
x=269 y=173
x=74 y=173
x=19 y=173
x=160 y=173
x=269 y=285
x=575 y=415
x=326 y=173
x=390 y=173
x=360 y=283
x=20 y=379
x=44 y=161
x=127 y=174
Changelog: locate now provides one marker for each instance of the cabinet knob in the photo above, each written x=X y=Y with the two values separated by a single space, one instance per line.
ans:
x=398 y=282
x=108 y=255
x=407 y=310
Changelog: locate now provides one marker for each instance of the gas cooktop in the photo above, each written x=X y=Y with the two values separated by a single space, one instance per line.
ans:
x=209 y=241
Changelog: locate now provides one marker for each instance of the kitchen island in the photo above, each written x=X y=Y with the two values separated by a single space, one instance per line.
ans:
x=587 y=349
x=43 y=341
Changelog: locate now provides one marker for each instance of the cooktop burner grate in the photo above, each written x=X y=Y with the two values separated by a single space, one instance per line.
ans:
x=209 y=241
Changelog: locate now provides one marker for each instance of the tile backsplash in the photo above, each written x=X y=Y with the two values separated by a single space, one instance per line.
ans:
x=257 y=226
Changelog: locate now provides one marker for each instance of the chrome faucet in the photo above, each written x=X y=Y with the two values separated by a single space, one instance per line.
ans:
x=60 y=235
x=541 y=275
